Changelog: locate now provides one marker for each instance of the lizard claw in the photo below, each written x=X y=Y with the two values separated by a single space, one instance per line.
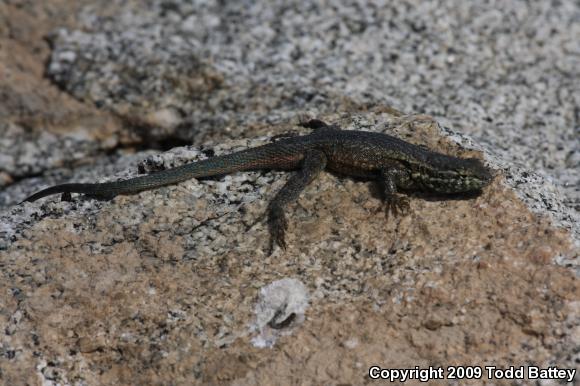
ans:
x=278 y=225
x=398 y=205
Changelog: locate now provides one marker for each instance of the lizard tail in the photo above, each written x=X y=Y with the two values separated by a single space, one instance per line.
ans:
x=263 y=157
x=64 y=188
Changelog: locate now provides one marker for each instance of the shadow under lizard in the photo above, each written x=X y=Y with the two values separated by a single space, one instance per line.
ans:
x=393 y=163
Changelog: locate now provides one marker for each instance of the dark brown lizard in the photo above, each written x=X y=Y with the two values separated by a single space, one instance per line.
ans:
x=393 y=163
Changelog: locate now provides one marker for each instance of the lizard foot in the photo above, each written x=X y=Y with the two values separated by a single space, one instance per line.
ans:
x=66 y=196
x=278 y=225
x=313 y=124
x=398 y=205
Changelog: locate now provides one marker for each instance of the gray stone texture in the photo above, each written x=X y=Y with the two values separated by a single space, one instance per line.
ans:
x=505 y=72
x=174 y=285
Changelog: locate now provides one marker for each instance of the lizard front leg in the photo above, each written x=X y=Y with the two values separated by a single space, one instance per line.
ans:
x=314 y=162
x=395 y=203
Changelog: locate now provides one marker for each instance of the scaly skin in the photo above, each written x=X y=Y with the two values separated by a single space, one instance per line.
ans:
x=392 y=162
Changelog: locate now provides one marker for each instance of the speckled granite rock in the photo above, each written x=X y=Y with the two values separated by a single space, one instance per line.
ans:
x=171 y=286
x=504 y=71
x=41 y=127
x=162 y=287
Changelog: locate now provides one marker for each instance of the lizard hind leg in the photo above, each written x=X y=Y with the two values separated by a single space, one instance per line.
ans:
x=307 y=123
x=317 y=125
x=313 y=124
x=314 y=162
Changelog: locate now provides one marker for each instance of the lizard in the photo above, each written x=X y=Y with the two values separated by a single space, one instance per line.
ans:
x=396 y=165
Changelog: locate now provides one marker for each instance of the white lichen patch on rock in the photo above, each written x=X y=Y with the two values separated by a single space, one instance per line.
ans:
x=281 y=306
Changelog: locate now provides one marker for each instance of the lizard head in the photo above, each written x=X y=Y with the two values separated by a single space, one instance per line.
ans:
x=446 y=174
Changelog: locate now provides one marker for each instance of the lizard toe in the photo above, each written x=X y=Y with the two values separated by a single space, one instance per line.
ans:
x=397 y=206
x=403 y=205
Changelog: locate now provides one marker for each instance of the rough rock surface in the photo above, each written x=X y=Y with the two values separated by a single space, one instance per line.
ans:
x=42 y=127
x=503 y=71
x=162 y=287
x=173 y=286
